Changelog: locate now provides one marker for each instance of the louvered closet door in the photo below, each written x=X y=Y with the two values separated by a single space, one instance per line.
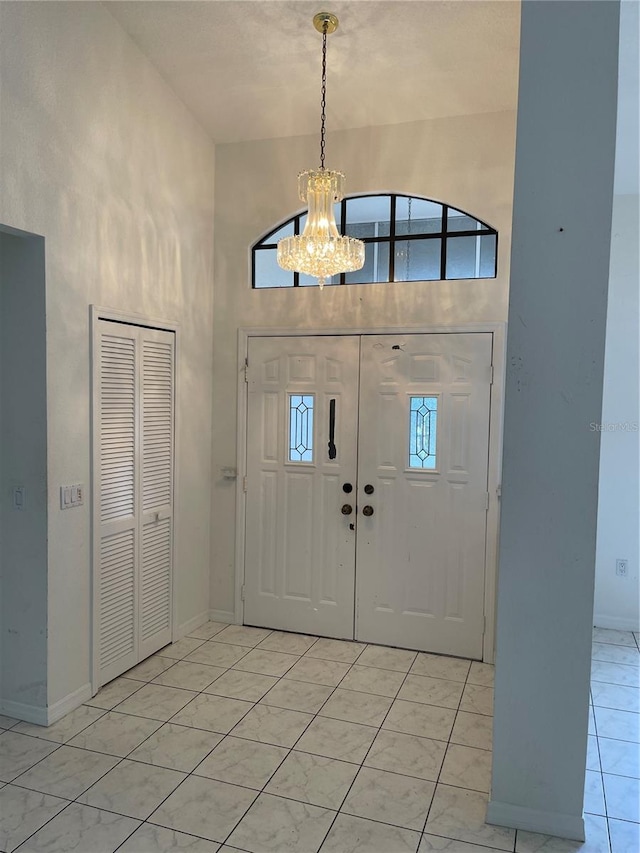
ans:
x=156 y=490
x=133 y=487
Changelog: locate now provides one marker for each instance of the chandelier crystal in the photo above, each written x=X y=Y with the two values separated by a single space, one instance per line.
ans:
x=320 y=250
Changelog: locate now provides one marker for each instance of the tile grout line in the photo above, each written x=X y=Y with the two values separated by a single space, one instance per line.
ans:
x=227 y=734
x=292 y=747
x=119 y=762
x=426 y=820
x=224 y=735
x=191 y=773
x=344 y=799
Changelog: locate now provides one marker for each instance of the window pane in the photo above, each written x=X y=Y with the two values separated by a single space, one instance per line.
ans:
x=376 y=265
x=268 y=273
x=423 y=415
x=416 y=216
x=488 y=256
x=461 y=257
x=459 y=221
x=285 y=231
x=417 y=260
x=301 y=427
x=363 y=229
x=368 y=216
x=471 y=257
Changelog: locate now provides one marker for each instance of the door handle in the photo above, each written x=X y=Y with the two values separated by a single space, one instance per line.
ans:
x=347 y=509
x=347 y=487
x=367 y=510
x=332 y=429
x=368 y=489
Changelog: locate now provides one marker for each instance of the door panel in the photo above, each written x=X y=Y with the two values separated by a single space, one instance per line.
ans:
x=156 y=492
x=116 y=572
x=300 y=552
x=423 y=445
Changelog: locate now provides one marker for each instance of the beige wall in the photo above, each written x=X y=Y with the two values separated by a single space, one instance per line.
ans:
x=99 y=157
x=467 y=162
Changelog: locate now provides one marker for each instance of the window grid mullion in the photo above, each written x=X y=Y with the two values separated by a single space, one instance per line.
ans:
x=443 y=245
x=392 y=237
x=444 y=235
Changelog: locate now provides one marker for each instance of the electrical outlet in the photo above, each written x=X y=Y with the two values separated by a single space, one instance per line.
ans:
x=622 y=568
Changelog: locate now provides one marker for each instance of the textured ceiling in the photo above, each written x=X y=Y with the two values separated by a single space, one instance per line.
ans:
x=251 y=70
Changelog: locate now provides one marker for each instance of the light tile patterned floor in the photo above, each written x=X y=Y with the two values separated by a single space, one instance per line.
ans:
x=242 y=739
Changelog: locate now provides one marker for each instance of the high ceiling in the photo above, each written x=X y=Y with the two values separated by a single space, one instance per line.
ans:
x=251 y=70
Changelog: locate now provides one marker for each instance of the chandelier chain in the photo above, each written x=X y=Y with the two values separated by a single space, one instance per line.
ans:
x=323 y=94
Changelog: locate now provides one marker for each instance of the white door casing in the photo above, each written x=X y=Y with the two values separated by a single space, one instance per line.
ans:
x=299 y=546
x=133 y=436
x=419 y=575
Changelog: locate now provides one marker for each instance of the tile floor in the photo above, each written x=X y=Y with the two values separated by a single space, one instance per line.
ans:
x=242 y=739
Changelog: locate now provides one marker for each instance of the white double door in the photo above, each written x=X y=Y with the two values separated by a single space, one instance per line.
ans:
x=367 y=488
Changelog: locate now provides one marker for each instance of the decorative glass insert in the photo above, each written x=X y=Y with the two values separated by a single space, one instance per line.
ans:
x=406 y=238
x=301 y=427
x=423 y=417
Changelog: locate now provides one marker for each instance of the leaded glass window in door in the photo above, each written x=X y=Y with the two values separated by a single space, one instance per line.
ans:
x=301 y=427
x=423 y=424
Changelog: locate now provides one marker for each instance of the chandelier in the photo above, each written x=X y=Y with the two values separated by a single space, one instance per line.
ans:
x=320 y=250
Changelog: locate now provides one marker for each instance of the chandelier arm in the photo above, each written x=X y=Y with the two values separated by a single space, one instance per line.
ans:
x=323 y=93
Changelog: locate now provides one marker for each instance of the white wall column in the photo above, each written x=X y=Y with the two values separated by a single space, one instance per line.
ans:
x=557 y=316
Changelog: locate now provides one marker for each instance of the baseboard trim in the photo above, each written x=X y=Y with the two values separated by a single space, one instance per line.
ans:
x=21 y=711
x=532 y=820
x=40 y=716
x=191 y=624
x=223 y=616
x=70 y=702
x=616 y=623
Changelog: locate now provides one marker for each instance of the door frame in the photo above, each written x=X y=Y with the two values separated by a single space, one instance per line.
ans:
x=97 y=313
x=494 y=471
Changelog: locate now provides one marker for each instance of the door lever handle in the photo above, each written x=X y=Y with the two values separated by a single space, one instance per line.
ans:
x=332 y=429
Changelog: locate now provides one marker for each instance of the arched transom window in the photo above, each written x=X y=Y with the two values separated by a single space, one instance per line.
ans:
x=406 y=239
